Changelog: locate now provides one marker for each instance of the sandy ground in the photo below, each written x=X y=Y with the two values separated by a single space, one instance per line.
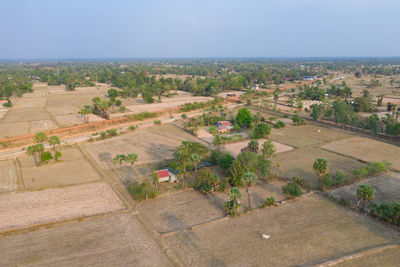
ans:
x=72 y=169
x=301 y=234
x=387 y=257
x=386 y=187
x=8 y=176
x=117 y=240
x=152 y=145
x=183 y=209
x=367 y=149
x=235 y=148
x=25 y=209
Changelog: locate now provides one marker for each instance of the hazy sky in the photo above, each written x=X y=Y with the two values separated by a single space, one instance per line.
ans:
x=202 y=28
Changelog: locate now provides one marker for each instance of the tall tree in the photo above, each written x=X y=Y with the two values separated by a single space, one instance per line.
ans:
x=54 y=141
x=320 y=167
x=365 y=193
x=195 y=159
x=250 y=179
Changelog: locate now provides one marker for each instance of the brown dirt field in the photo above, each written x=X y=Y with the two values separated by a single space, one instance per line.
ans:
x=152 y=144
x=235 y=148
x=72 y=169
x=385 y=258
x=184 y=209
x=386 y=186
x=306 y=135
x=301 y=234
x=25 y=209
x=118 y=240
x=300 y=161
x=14 y=128
x=367 y=150
x=8 y=176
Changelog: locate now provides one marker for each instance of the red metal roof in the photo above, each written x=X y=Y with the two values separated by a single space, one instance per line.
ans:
x=162 y=173
x=225 y=123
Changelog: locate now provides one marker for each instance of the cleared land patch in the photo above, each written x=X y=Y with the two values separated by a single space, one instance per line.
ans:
x=235 y=148
x=386 y=257
x=386 y=186
x=301 y=233
x=307 y=135
x=73 y=168
x=181 y=210
x=153 y=144
x=117 y=240
x=8 y=176
x=367 y=150
x=25 y=209
x=300 y=163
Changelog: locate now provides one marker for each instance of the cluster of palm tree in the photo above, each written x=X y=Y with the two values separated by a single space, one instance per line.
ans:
x=37 y=150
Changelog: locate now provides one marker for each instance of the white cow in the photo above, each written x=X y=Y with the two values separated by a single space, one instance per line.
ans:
x=265 y=236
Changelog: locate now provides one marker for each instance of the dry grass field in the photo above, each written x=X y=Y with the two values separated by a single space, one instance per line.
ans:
x=8 y=176
x=385 y=258
x=73 y=168
x=153 y=144
x=300 y=163
x=25 y=209
x=235 y=148
x=184 y=209
x=52 y=107
x=308 y=231
x=118 y=240
x=359 y=84
x=367 y=150
x=386 y=187
x=307 y=135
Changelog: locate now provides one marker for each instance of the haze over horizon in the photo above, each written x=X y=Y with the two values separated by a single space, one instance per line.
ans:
x=187 y=29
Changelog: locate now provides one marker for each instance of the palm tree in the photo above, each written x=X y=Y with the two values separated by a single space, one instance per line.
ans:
x=54 y=141
x=320 y=167
x=131 y=158
x=234 y=196
x=119 y=159
x=40 y=138
x=365 y=193
x=85 y=111
x=250 y=178
x=32 y=151
x=39 y=148
x=195 y=159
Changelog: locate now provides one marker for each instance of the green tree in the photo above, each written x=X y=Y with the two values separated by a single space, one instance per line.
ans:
x=315 y=113
x=40 y=138
x=244 y=117
x=195 y=159
x=131 y=158
x=365 y=193
x=268 y=150
x=320 y=167
x=250 y=179
x=292 y=190
x=299 y=103
x=231 y=206
x=35 y=151
x=372 y=124
x=261 y=131
x=119 y=159
x=85 y=111
x=54 y=141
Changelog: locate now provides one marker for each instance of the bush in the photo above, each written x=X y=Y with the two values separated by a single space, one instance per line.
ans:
x=122 y=109
x=279 y=124
x=142 y=191
x=213 y=130
x=157 y=122
x=58 y=155
x=343 y=201
x=132 y=127
x=205 y=180
x=269 y=202
x=103 y=135
x=236 y=127
x=292 y=190
x=111 y=132
x=46 y=157
x=261 y=131
x=389 y=212
x=222 y=185
x=373 y=168
x=298 y=180
x=225 y=160
x=144 y=115
x=184 y=116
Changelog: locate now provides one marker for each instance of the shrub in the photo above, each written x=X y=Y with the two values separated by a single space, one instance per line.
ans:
x=46 y=157
x=103 y=135
x=142 y=191
x=298 y=180
x=389 y=212
x=222 y=185
x=111 y=132
x=132 y=127
x=279 y=124
x=122 y=109
x=372 y=168
x=157 y=122
x=144 y=115
x=225 y=160
x=236 y=127
x=261 y=131
x=58 y=155
x=343 y=201
x=269 y=202
x=205 y=180
x=184 y=116
x=213 y=130
x=292 y=190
